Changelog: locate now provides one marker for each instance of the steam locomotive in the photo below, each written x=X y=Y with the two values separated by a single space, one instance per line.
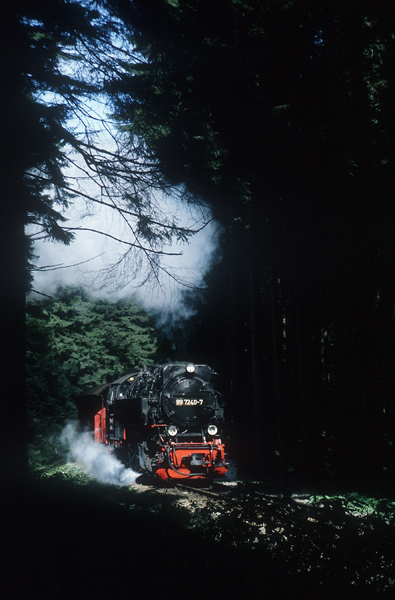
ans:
x=163 y=420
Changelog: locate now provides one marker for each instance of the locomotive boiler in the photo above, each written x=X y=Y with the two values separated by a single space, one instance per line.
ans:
x=164 y=420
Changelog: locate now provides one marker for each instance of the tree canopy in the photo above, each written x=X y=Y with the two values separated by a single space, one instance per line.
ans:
x=62 y=142
x=74 y=343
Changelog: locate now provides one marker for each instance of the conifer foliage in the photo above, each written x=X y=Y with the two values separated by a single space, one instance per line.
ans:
x=74 y=343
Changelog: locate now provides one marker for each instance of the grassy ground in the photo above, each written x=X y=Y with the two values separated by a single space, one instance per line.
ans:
x=67 y=536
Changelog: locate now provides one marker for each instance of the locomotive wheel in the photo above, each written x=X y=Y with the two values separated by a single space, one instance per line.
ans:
x=144 y=459
x=133 y=458
x=138 y=458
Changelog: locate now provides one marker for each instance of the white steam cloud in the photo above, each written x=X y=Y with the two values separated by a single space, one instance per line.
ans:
x=96 y=458
x=92 y=254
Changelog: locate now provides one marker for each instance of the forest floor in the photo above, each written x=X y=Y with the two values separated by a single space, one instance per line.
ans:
x=67 y=536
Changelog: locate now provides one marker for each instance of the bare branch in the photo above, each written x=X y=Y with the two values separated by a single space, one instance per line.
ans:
x=62 y=266
x=41 y=293
x=104 y=166
x=134 y=245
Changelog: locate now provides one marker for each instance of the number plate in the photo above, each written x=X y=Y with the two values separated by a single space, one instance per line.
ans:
x=189 y=401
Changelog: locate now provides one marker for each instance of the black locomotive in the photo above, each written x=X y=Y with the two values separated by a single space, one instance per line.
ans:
x=164 y=419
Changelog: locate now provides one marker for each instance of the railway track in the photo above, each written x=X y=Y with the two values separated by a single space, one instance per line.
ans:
x=218 y=493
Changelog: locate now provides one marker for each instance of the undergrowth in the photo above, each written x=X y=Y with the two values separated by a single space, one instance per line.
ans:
x=344 y=540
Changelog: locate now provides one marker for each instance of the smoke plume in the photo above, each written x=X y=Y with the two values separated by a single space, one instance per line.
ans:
x=86 y=263
x=96 y=458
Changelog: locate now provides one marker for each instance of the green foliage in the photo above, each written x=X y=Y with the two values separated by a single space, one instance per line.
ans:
x=357 y=505
x=74 y=343
x=45 y=464
x=74 y=473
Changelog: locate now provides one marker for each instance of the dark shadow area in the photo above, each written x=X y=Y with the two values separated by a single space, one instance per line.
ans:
x=64 y=541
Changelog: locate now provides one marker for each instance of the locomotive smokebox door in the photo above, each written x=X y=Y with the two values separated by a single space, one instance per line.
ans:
x=188 y=396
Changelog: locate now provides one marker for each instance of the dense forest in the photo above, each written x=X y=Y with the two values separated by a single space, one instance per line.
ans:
x=71 y=344
x=278 y=114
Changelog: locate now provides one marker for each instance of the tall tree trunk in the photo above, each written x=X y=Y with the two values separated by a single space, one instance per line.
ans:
x=278 y=400
x=13 y=436
x=13 y=432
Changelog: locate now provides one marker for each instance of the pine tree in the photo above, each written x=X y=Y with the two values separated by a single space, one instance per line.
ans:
x=74 y=343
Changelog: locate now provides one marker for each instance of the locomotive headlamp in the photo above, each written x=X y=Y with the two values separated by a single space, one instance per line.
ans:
x=172 y=430
x=212 y=429
x=190 y=368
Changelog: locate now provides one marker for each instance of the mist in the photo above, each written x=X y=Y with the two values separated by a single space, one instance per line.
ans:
x=97 y=459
